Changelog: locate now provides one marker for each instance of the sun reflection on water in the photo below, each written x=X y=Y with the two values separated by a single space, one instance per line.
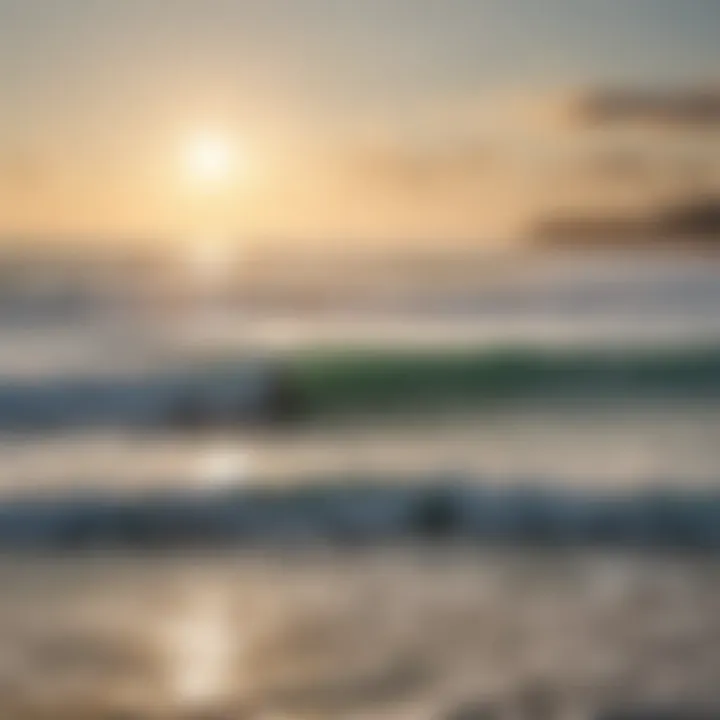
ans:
x=201 y=647
x=222 y=467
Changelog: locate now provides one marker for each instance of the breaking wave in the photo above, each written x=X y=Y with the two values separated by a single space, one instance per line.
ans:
x=343 y=514
x=327 y=383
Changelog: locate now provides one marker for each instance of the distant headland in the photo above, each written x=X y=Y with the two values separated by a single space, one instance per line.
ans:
x=695 y=222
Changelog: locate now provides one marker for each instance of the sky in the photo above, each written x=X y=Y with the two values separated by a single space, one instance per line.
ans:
x=332 y=104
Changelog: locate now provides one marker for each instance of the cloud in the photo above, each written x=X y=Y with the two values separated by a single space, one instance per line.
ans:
x=500 y=162
x=423 y=169
x=681 y=109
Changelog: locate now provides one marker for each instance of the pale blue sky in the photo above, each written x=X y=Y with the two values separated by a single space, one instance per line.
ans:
x=79 y=57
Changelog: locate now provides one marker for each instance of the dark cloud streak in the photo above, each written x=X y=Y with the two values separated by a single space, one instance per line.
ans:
x=682 y=109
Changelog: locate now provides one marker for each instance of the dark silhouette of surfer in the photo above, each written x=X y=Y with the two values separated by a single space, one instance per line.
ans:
x=281 y=404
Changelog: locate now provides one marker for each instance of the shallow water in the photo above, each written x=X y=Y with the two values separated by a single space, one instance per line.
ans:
x=402 y=634
x=581 y=445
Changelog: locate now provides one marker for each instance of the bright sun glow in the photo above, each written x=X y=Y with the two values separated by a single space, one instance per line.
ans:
x=210 y=160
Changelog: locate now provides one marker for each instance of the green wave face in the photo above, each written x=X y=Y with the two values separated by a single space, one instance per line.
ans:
x=344 y=381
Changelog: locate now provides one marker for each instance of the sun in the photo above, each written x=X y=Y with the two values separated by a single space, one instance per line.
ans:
x=210 y=160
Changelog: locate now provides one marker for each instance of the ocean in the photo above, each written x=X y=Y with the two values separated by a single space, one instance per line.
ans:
x=498 y=495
